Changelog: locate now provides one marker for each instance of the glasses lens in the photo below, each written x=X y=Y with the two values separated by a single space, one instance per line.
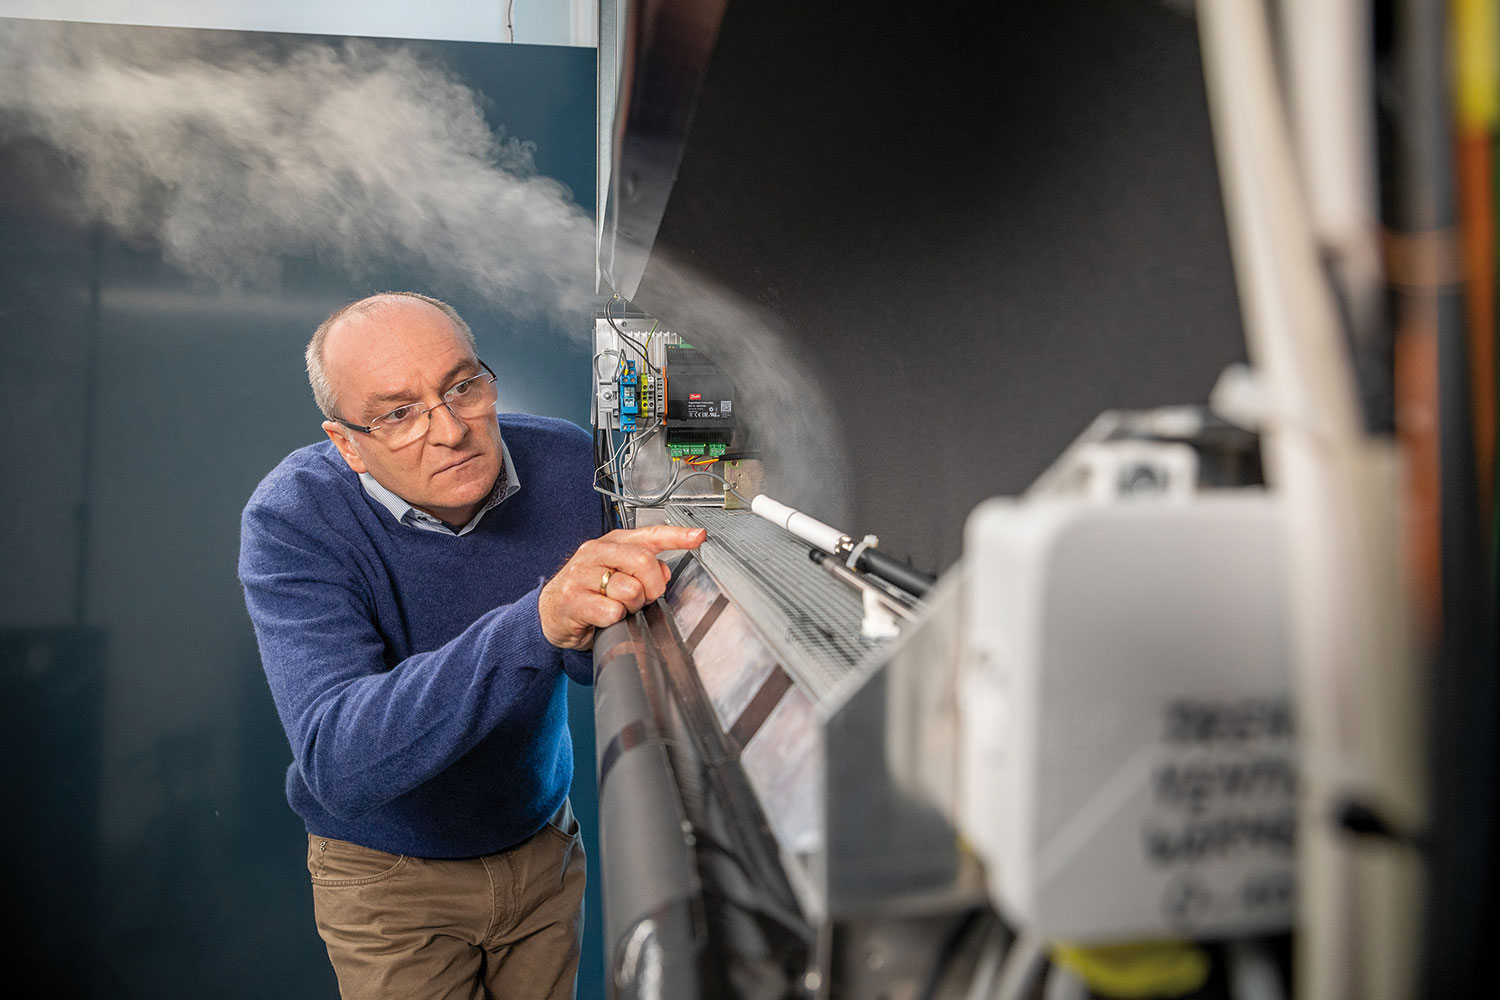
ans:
x=469 y=398
x=472 y=396
x=411 y=425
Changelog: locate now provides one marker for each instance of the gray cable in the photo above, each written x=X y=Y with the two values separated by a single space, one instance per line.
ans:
x=671 y=490
x=1252 y=972
x=604 y=353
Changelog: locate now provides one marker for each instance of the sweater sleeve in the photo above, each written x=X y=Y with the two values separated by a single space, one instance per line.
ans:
x=363 y=731
x=579 y=666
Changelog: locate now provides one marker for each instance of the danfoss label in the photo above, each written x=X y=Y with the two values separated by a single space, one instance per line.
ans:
x=695 y=396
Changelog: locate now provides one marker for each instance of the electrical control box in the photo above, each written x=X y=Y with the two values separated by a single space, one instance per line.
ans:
x=646 y=448
x=700 y=410
x=1128 y=759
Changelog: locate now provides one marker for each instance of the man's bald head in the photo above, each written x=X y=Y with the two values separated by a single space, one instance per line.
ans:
x=317 y=372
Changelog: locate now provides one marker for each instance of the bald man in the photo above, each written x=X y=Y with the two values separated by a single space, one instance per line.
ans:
x=422 y=584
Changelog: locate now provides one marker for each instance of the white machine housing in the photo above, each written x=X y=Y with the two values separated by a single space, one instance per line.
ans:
x=1126 y=755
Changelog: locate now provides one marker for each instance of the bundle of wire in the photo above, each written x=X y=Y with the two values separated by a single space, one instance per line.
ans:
x=617 y=461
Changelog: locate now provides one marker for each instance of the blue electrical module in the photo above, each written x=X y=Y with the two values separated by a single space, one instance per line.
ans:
x=630 y=396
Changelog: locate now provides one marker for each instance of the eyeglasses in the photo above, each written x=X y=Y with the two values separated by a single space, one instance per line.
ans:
x=404 y=424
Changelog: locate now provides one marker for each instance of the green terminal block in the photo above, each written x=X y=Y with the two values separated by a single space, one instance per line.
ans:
x=684 y=450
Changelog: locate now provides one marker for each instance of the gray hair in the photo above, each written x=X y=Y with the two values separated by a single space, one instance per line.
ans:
x=317 y=375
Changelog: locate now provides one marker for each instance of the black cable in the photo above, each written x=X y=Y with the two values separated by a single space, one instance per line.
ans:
x=645 y=358
x=893 y=570
x=951 y=946
x=1360 y=819
x=1462 y=919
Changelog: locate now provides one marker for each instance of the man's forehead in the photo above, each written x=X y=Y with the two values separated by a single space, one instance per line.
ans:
x=395 y=315
x=386 y=346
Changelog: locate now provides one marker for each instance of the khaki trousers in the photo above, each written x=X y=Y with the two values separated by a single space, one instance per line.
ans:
x=505 y=926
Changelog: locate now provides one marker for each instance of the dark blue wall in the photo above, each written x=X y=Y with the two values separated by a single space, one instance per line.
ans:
x=148 y=845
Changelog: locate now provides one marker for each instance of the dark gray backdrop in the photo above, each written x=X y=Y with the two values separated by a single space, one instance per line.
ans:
x=979 y=226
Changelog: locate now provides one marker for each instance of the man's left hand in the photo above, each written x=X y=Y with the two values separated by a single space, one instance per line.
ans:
x=608 y=578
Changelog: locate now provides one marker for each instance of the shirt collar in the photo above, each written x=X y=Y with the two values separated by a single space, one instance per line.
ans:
x=506 y=486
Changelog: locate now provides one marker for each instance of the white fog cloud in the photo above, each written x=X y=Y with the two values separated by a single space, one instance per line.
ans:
x=235 y=159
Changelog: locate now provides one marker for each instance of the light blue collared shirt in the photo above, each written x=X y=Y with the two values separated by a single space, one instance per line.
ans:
x=506 y=485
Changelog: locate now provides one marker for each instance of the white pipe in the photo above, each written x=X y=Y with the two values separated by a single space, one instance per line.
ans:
x=1331 y=96
x=809 y=529
x=1291 y=324
x=1357 y=701
x=1330 y=54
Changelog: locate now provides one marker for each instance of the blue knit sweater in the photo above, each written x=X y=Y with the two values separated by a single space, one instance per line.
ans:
x=427 y=714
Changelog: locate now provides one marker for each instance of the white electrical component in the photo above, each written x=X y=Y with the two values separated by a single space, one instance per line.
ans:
x=1126 y=750
x=1109 y=471
x=809 y=529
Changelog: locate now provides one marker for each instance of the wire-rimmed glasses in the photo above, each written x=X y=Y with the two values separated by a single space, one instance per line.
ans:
x=404 y=424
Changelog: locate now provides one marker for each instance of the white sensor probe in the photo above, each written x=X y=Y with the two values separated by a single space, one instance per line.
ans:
x=809 y=529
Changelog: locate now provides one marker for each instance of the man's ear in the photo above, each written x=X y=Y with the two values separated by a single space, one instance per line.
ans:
x=340 y=437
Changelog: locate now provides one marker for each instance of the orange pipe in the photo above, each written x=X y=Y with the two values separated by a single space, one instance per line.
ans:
x=1477 y=235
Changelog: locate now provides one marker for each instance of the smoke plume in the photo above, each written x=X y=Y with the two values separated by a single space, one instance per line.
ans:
x=781 y=404
x=236 y=154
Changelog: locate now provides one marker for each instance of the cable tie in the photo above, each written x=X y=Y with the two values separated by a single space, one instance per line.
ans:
x=868 y=542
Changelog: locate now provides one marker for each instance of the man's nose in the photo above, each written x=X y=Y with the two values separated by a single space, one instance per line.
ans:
x=444 y=427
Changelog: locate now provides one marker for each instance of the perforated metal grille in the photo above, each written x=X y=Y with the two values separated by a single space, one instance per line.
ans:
x=809 y=618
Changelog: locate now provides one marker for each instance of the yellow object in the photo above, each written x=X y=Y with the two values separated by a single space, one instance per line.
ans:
x=1136 y=971
x=1475 y=37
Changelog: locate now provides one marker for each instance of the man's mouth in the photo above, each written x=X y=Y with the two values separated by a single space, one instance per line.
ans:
x=453 y=465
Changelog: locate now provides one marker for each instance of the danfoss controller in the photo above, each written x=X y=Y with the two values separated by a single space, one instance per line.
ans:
x=700 y=403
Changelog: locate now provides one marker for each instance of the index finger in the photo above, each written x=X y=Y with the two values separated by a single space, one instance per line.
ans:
x=661 y=537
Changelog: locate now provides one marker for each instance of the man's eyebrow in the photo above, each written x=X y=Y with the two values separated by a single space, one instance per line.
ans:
x=402 y=395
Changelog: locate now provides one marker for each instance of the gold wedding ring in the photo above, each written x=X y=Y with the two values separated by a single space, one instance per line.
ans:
x=604 y=581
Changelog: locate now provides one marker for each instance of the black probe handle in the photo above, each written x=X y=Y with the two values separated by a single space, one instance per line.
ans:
x=892 y=570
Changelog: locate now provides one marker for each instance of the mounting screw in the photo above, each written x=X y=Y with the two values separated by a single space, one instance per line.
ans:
x=1141 y=481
